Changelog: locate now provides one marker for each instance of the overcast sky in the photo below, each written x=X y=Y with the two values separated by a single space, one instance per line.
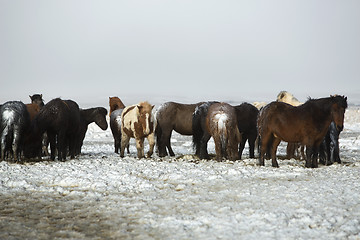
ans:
x=178 y=50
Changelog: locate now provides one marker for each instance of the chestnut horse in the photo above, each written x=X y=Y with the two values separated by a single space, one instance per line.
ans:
x=306 y=124
x=138 y=122
x=173 y=116
x=115 y=103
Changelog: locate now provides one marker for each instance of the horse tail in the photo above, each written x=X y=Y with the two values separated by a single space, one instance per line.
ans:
x=224 y=130
x=197 y=130
x=158 y=134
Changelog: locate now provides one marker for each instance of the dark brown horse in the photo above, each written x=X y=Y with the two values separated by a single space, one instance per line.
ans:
x=221 y=124
x=61 y=120
x=306 y=124
x=246 y=117
x=173 y=116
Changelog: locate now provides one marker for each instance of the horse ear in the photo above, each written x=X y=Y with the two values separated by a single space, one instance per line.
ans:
x=41 y=96
x=152 y=107
x=139 y=106
x=30 y=97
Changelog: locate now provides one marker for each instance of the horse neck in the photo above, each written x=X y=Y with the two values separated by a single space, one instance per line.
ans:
x=89 y=115
x=320 y=110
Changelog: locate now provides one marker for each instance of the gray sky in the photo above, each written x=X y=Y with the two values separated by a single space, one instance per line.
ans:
x=179 y=50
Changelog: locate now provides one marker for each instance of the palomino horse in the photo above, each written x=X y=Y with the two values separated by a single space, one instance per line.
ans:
x=115 y=103
x=306 y=124
x=14 y=122
x=138 y=122
x=173 y=116
x=287 y=97
x=217 y=120
x=87 y=116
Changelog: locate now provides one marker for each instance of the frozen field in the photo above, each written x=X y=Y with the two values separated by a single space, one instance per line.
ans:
x=101 y=196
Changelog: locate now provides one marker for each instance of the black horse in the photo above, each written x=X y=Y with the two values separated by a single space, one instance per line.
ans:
x=329 y=149
x=87 y=116
x=246 y=117
x=60 y=119
x=15 y=121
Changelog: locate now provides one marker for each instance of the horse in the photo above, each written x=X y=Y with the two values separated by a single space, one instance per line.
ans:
x=60 y=119
x=115 y=125
x=115 y=103
x=246 y=119
x=137 y=121
x=173 y=116
x=38 y=100
x=200 y=137
x=15 y=121
x=87 y=116
x=217 y=120
x=306 y=124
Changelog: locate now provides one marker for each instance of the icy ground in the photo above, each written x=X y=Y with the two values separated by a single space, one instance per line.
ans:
x=101 y=196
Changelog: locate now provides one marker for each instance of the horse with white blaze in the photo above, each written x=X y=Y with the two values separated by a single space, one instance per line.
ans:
x=138 y=122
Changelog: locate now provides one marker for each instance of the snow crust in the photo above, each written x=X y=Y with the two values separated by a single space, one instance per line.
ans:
x=101 y=196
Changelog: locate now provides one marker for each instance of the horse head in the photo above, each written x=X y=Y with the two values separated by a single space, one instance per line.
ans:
x=37 y=99
x=145 y=117
x=338 y=107
x=100 y=118
x=287 y=97
x=115 y=103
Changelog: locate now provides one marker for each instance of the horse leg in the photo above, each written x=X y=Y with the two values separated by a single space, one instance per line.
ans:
x=164 y=143
x=124 y=142
x=15 y=143
x=203 y=153
x=52 y=140
x=242 y=145
x=275 y=144
x=218 y=148
x=3 y=136
x=61 y=145
x=315 y=155
x=309 y=153
x=251 y=142
x=117 y=140
x=264 y=143
x=140 y=147
x=151 y=140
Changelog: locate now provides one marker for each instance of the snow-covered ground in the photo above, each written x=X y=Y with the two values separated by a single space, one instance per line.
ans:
x=101 y=196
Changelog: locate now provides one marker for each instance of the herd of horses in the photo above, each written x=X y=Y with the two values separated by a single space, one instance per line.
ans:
x=26 y=130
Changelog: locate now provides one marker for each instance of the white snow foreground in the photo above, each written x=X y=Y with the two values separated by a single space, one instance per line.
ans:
x=101 y=196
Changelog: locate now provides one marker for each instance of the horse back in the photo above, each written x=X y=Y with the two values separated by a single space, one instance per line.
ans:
x=176 y=116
